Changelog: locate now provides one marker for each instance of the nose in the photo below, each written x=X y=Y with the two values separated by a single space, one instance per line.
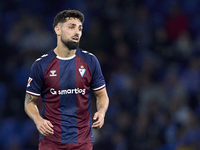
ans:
x=78 y=32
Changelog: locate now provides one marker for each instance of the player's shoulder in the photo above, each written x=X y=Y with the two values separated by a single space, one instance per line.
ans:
x=45 y=58
x=43 y=61
x=86 y=54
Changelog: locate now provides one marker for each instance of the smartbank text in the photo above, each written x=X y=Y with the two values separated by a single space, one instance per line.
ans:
x=68 y=91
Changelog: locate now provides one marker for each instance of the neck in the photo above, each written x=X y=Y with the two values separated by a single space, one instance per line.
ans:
x=63 y=51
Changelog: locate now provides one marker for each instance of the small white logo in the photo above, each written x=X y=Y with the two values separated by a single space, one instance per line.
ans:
x=53 y=73
x=82 y=71
x=29 y=81
x=53 y=91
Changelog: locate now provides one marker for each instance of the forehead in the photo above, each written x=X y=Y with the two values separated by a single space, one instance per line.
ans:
x=72 y=20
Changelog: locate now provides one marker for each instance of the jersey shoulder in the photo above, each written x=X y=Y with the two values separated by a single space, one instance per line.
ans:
x=45 y=59
x=43 y=62
x=86 y=56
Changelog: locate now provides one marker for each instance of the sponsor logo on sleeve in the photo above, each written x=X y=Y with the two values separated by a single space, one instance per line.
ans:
x=29 y=81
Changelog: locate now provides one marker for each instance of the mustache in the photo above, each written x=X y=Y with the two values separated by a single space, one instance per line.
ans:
x=76 y=35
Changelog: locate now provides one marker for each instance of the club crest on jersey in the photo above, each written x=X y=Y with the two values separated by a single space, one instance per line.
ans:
x=82 y=71
x=29 y=81
x=53 y=73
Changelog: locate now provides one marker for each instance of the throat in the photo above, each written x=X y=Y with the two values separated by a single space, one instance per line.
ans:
x=64 y=53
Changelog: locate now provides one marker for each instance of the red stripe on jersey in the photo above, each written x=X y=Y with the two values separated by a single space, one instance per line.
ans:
x=52 y=102
x=83 y=115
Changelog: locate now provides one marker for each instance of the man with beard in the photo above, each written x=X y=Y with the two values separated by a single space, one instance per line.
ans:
x=63 y=78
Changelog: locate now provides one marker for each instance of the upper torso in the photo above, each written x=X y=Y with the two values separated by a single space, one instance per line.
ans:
x=64 y=84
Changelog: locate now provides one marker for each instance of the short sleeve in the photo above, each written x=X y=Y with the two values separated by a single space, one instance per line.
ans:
x=36 y=80
x=97 y=81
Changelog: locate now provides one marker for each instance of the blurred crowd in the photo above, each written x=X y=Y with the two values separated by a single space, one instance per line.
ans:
x=149 y=51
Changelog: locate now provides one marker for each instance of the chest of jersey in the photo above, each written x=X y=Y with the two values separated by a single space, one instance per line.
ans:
x=65 y=77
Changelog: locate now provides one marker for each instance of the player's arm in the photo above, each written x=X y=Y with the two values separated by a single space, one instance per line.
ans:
x=102 y=106
x=44 y=126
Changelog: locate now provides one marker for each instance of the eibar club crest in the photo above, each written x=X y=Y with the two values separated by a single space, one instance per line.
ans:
x=82 y=71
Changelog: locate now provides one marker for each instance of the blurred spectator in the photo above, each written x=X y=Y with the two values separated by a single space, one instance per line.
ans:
x=141 y=29
x=184 y=45
x=29 y=33
x=176 y=23
x=161 y=46
x=191 y=75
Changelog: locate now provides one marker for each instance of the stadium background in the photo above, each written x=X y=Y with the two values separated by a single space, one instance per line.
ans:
x=149 y=51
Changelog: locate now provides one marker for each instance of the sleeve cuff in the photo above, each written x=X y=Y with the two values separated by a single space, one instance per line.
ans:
x=99 y=88
x=32 y=93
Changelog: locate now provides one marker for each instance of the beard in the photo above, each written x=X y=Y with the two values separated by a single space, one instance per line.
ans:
x=70 y=44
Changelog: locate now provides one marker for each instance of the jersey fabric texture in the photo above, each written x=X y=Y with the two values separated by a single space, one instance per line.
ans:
x=64 y=85
x=51 y=145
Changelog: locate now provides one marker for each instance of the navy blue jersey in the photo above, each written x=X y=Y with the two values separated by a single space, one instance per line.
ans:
x=64 y=85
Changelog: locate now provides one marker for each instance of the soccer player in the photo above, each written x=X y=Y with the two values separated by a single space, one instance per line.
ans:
x=63 y=78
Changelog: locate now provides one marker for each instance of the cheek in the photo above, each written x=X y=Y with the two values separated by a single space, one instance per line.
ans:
x=65 y=32
x=65 y=35
x=80 y=34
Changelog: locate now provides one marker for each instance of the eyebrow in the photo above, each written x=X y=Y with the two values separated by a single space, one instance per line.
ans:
x=75 y=24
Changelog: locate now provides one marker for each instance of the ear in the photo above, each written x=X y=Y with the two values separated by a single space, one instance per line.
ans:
x=57 y=30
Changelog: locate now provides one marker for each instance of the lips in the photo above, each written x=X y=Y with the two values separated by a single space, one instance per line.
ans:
x=75 y=39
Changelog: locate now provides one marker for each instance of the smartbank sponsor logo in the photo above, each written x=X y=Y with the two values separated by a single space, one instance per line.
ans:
x=68 y=91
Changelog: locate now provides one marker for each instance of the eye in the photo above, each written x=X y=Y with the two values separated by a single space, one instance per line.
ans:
x=80 y=29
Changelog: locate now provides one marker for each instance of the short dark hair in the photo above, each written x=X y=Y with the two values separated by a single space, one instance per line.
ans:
x=61 y=16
